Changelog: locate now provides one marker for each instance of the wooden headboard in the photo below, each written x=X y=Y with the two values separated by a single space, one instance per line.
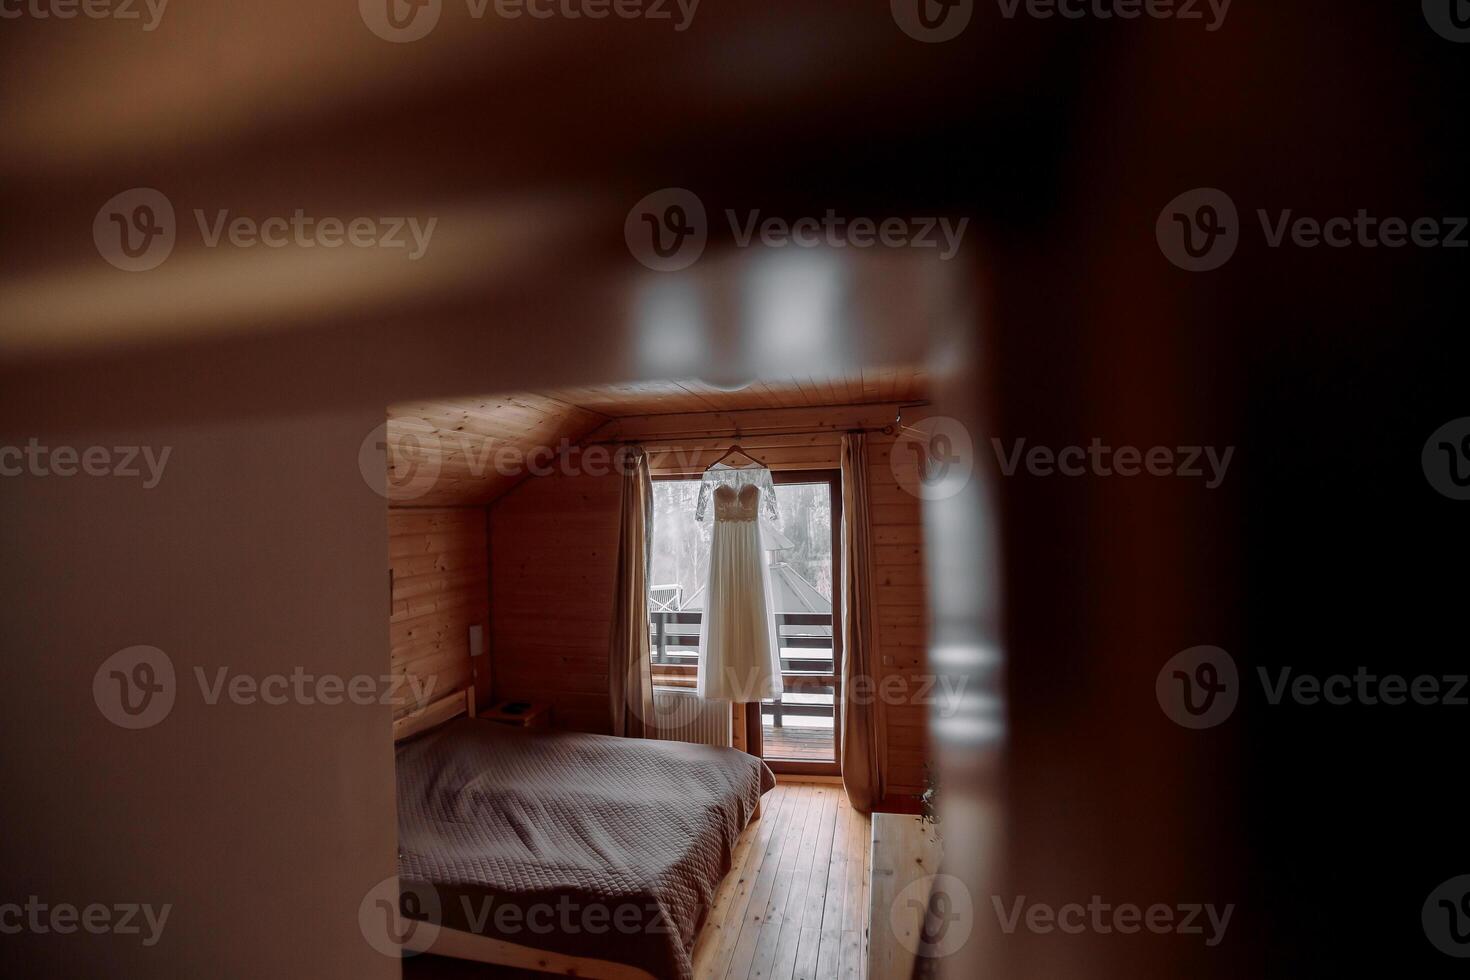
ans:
x=435 y=713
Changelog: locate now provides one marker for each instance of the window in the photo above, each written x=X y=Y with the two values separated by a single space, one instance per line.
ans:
x=799 y=728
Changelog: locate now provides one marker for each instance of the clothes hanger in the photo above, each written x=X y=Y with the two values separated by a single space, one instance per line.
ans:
x=734 y=448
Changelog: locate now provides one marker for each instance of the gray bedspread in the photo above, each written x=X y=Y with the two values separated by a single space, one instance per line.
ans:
x=581 y=844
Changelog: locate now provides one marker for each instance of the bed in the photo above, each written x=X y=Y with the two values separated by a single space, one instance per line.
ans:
x=564 y=851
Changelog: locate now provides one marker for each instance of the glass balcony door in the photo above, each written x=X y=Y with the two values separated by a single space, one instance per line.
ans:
x=799 y=729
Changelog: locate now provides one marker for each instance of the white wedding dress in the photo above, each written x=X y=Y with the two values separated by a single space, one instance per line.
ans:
x=739 y=659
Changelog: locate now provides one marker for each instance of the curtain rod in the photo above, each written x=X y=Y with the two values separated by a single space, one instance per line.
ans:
x=888 y=429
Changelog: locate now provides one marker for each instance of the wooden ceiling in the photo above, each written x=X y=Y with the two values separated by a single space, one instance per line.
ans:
x=468 y=451
x=666 y=397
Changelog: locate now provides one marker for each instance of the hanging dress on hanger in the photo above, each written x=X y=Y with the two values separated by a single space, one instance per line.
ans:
x=739 y=658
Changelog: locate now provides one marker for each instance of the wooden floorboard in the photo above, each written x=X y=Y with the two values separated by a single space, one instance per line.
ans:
x=716 y=961
x=805 y=906
x=804 y=917
x=792 y=908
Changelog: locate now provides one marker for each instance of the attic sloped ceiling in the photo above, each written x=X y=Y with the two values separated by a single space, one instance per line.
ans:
x=466 y=452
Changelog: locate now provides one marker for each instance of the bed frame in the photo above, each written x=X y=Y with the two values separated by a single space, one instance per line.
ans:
x=462 y=945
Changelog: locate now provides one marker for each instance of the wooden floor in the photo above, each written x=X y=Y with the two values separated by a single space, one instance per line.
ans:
x=793 y=906
x=791 y=742
x=797 y=908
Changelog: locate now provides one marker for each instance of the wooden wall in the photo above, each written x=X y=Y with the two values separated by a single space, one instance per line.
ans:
x=440 y=588
x=553 y=562
x=553 y=554
x=898 y=575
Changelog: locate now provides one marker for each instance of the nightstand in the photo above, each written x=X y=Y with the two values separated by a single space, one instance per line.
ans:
x=531 y=715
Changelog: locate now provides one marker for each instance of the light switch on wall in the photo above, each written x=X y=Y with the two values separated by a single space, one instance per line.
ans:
x=477 y=640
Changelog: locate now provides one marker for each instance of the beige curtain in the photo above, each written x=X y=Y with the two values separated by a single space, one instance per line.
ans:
x=630 y=688
x=864 y=763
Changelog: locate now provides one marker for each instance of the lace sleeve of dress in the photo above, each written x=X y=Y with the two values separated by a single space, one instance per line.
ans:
x=704 y=506
x=701 y=507
x=769 y=511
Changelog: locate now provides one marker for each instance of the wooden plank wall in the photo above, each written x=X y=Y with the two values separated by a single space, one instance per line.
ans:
x=898 y=575
x=440 y=588
x=553 y=563
x=553 y=555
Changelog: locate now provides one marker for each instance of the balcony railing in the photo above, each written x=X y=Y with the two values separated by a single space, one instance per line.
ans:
x=806 y=654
